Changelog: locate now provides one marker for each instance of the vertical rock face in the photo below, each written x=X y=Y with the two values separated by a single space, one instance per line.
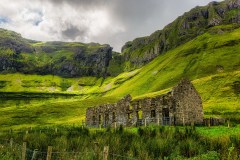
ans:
x=181 y=106
x=233 y=4
x=186 y=27
x=85 y=64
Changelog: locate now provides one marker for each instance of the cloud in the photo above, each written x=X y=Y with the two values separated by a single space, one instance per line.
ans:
x=33 y=16
x=72 y=32
x=105 y=21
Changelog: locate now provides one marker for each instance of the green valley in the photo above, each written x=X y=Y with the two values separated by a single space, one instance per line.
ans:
x=74 y=100
x=211 y=61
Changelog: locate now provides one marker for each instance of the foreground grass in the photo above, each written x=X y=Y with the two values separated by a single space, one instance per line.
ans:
x=151 y=142
x=219 y=131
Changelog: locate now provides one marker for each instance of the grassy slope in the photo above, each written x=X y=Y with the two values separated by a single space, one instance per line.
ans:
x=36 y=83
x=23 y=114
x=208 y=54
x=183 y=29
x=198 y=58
x=211 y=61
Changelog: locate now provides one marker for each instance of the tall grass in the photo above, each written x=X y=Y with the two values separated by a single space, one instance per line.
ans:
x=144 y=143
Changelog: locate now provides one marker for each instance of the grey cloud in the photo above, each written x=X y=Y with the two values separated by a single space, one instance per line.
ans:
x=72 y=32
x=135 y=11
x=126 y=19
x=37 y=17
x=141 y=17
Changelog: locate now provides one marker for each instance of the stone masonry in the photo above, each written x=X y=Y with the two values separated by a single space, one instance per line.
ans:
x=181 y=106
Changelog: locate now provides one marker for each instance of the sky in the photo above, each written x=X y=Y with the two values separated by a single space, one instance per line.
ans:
x=111 y=22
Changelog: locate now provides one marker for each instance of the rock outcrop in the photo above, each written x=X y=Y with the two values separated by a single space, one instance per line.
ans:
x=85 y=64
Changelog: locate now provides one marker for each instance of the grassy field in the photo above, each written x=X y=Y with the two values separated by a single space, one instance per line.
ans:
x=211 y=61
x=152 y=142
x=16 y=114
x=218 y=131
x=219 y=100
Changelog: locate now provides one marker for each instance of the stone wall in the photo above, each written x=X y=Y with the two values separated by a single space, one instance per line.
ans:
x=181 y=106
x=187 y=104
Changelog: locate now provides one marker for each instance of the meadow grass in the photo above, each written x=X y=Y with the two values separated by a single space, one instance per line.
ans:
x=218 y=131
x=219 y=100
x=153 y=142
x=16 y=114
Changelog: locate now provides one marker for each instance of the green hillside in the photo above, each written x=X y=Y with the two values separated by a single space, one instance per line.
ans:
x=214 y=52
x=65 y=59
x=186 y=27
x=211 y=61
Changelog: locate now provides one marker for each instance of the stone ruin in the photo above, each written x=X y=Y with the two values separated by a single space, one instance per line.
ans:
x=181 y=106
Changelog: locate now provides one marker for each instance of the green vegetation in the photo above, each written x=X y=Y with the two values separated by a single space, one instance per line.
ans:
x=66 y=59
x=211 y=61
x=48 y=84
x=185 y=28
x=218 y=131
x=219 y=100
x=35 y=91
x=152 y=142
x=194 y=60
x=18 y=113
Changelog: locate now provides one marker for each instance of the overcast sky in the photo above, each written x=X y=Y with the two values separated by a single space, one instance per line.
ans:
x=111 y=22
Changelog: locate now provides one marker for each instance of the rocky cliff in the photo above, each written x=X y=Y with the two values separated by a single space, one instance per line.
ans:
x=58 y=58
x=185 y=28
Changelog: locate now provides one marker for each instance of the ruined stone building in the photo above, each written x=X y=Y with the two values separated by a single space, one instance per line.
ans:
x=181 y=106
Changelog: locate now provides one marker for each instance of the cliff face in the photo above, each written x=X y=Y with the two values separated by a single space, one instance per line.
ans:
x=185 y=28
x=84 y=62
x=59 y=58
